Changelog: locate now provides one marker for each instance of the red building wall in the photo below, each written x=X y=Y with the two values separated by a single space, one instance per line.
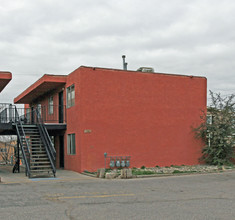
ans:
x=148 y=116
x=73 y=162
x=143 y=115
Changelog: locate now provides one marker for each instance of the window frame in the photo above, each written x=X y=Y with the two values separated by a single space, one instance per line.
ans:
x=70 y=96
x=51 y=106
x=71 y=144
x=39 y=107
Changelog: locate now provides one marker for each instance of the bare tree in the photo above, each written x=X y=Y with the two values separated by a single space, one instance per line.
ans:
x=7 y=149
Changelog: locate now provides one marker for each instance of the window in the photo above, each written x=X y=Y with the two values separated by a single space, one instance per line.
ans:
x=39 y=106
x=50 y=105
x=70 y=96
x=71 y=148
x=209 y=119
x=28 y=115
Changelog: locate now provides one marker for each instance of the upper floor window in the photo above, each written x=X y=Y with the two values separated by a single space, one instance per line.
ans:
x=70 y=96
x=28 y=115
x=50 y=105
x=39 y=106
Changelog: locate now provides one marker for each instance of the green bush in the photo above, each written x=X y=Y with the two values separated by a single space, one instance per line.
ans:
x=217 y=130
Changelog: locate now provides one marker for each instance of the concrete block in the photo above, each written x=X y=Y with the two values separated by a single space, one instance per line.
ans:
x=128 y=173
x=123 y=173
x=98 y=173
x=101 y=173
x=110 y=175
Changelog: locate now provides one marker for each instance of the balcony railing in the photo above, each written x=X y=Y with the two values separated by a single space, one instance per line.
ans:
x=50 y=114
x=7 y=113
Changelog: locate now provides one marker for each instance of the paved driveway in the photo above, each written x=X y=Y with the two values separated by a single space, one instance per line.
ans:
x=75 y=196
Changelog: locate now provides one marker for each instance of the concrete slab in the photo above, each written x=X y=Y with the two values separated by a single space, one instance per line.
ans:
x=7 y=177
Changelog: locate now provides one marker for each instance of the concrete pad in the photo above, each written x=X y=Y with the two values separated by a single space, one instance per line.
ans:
x=7 y=176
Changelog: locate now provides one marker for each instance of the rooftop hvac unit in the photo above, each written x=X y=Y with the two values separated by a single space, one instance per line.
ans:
x=146 y=69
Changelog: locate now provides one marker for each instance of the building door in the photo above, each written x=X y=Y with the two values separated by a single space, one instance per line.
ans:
x=61 y=139
x=61 y=107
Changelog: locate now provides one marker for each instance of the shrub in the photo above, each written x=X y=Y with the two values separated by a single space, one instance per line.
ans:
x=217 y=130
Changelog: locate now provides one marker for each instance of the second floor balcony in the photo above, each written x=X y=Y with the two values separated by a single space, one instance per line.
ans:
x=53 y=116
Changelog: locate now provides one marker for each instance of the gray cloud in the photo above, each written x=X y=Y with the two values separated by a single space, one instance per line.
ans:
x=173 y=36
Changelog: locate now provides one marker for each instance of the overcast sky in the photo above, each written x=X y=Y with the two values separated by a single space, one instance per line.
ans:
x=194 y=37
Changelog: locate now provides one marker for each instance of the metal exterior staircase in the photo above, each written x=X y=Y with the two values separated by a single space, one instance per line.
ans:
x=37 y=149
x=39 y=161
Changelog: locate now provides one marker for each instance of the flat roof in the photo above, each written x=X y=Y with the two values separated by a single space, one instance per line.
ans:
x=49 y=82
x=44 y=85
x=5 y=78
x=135 y=71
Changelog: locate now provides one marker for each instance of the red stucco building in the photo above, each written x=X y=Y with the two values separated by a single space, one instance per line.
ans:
x=147 y=116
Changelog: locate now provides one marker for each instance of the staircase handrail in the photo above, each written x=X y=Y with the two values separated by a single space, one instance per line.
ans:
x=51 y=152
x=27 y=160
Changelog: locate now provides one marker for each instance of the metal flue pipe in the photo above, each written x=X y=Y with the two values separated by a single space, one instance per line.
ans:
x=124 y=62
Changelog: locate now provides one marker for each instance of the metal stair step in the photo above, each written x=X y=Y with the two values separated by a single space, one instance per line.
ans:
x=30 y=128
x=40 y=163
x=31 y=132
x=39 y=150
x=36 y=144
x=40 y=166
x=35 y=152
x=42 y=154
x=37 y=147
x=39 y=158
x=35 y=160
x=41 y=171
x=35 y=139
x=39 y=153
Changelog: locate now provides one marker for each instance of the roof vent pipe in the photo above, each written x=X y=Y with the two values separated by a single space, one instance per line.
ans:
x=124 y=62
